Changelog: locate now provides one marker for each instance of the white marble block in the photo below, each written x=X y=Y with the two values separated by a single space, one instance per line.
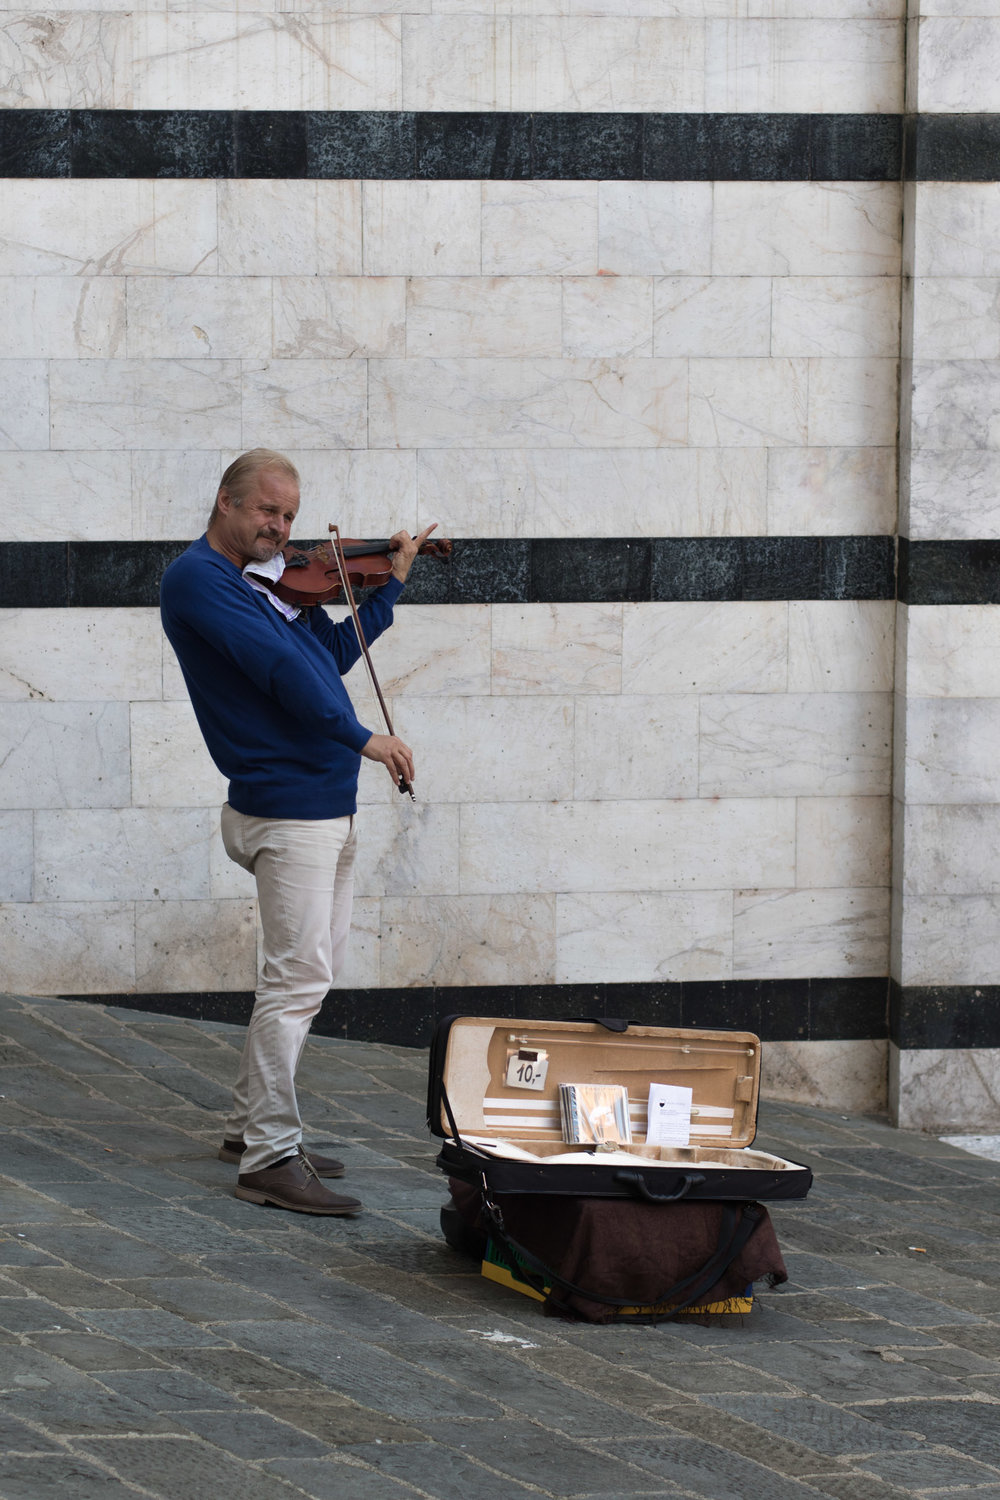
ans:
x=693 y=647
x=607 y=63
x=63 y=755
x=710 y=844
x=539 y=228
x=67 y=496
x=556 y=648
x=949 y=750
x=805 y=229
x=752 y=403
x=218 y=317
x=713 y=316
x=338 y=317
x=463 y=403
x=170 y=764
x=459 y=940
x=831 y=491
x=635 y=746
x=132 y=403
x=855 y=65
x=490 y=749
x=953 y=651
x=796 y=744
x=68 y=947
x=605 y=317
x=841 y=646
x=842 y=842
x=195 y=945
x=103 y=655
x=24 y=404
x=840 y=316
x=656 y=228
x=642 y=937
x=122 y=854
x=107 y=227
x=944 y=1090
x=312 y=403
x=796 y=934
x=453 y=317
x=289 y=228
x=422 y=228
x=840 y=1076
x=47 y=317
x=18 y=862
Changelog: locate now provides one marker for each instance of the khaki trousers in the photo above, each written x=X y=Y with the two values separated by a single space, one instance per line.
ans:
x=304 y=871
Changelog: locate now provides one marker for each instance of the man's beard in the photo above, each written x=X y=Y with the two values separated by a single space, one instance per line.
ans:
x=263 y=550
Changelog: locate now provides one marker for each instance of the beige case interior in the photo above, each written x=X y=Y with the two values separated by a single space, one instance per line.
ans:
x=722 y=1068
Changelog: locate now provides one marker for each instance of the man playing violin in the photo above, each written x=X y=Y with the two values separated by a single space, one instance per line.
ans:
x=265 y=683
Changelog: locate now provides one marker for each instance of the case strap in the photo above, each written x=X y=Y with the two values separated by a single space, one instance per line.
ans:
x=736 y=1228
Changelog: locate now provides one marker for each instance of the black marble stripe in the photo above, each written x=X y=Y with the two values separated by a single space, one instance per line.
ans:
x=952 y=148
x=824 y=1010
x=944 y=1016
x=515 y=571
x=409 y=145
x=955 y=572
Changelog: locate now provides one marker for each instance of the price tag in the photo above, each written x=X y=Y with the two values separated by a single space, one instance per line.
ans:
x=526 y=1069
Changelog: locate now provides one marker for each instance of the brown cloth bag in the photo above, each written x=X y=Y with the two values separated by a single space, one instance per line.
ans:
x=628 y=1252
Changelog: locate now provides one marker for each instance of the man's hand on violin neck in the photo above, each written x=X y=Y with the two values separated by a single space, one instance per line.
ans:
x=394 y=755
x=403 y=548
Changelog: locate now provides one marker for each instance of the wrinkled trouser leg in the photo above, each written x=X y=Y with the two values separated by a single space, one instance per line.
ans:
x=304 y=871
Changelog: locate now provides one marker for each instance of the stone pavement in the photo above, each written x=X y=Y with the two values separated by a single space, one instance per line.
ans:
x=160 y=1338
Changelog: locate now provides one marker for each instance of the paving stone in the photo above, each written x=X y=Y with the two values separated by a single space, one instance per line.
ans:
x=369 y=1376
x=22 y=1252
x=336 y=1421
x=970 y=1427
x=535 y=1456
x=151 y=1328
x=91 y=1351
x=73 y=1289
x=820 y=1425
x=56 y=1477
x=180 y=1468
x=166 y=1390
x=445 y=1473
x=509 y=1381
x=325 y=1479
x=236 y=1370
x=85 y=1412
x=252 y=1435
x=835 y=1371
x=928 y=1469
x=201 y=1300
x=768 y=1446
x=18 y=1437
x=712 y=1472
x=29 y=1314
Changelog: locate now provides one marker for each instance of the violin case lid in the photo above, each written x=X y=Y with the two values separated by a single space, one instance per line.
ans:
x=507 y=1131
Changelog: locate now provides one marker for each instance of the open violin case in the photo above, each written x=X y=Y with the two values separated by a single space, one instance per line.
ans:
x=494 y=1102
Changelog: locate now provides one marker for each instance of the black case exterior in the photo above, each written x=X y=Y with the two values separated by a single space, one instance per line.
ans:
x=649 y=1181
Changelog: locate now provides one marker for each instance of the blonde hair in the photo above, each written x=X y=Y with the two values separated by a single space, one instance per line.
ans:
x=238 y=480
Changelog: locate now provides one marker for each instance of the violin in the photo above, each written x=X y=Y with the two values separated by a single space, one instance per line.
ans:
x=315 y=575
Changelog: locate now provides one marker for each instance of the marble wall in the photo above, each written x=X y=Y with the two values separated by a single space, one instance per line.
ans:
x=636 y=791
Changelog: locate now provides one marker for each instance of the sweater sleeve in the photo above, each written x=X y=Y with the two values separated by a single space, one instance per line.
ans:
x=228 y=618
x=341 y=639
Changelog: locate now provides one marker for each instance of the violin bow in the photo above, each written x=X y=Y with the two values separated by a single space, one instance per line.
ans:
x=338 y=552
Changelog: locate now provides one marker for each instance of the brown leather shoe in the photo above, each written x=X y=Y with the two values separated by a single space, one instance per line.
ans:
x=323 y=1166
x=293 y=1184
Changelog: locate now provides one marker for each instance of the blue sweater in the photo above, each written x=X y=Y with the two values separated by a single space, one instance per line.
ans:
x=266 y=691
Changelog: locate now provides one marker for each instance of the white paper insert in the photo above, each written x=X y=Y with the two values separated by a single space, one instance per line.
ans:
x=669 y=1115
